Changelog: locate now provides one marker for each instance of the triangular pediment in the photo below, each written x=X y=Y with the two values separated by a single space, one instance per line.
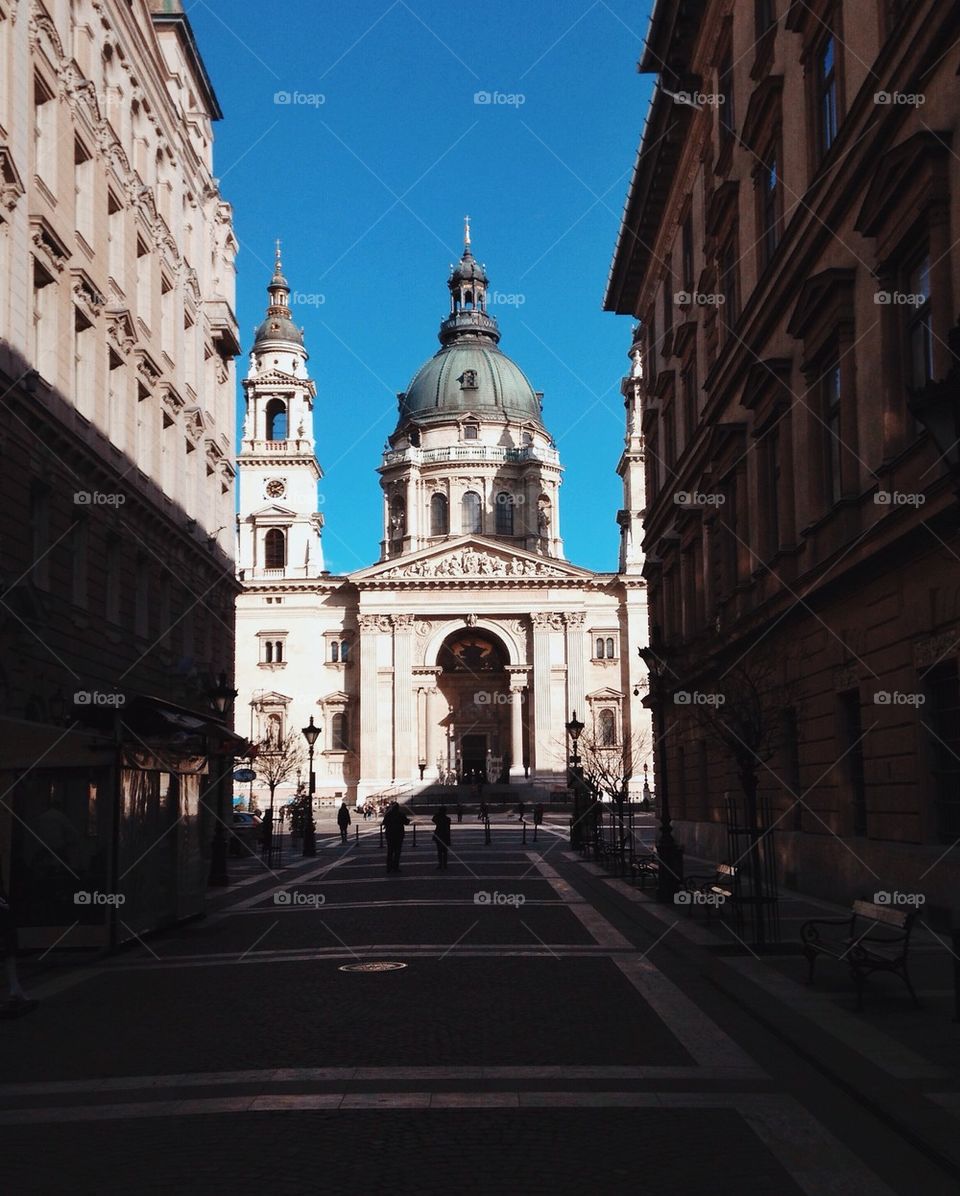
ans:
x=274 y=510
x=605 y=695
x=275 y=378
x=272 y=698
x=471 y=557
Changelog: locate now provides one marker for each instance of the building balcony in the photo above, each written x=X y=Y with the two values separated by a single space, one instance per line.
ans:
x=278 y=448
x=494 y=453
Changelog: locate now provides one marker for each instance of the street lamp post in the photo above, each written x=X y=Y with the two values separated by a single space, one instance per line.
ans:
x=310 y=734
x=221 y=697
x=669 y=852
x=574 y=729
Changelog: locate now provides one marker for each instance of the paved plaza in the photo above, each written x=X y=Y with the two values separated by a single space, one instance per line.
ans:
x=550 y=1029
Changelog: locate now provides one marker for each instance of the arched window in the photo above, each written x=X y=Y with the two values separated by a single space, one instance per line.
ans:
x=269 y=652
x=607 y=728
x=599 y=648
x=278 y=652
x=504 y=514
x=610 y=652
x=439 y=515
x=398 y=518
x=334 y=651
x=276 y=420
x=471 y=513
x=468 y=299
x=338 y=732
x=275 y=549
x=345 y=651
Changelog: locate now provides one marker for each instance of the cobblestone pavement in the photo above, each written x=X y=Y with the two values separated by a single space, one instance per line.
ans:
x=549 y=1030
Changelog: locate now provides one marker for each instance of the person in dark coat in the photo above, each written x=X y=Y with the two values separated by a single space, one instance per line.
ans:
x=459 y=812
x=343 y=821
x=395 y=822
x=441 y=835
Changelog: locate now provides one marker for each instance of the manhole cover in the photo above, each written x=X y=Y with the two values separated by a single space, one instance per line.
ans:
x=377 y=966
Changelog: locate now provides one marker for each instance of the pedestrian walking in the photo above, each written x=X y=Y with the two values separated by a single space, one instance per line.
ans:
x=395 y=822
x=441 y=835
x=17 y=1002
x=343 y=821
x=483 y=814
x=521 y=810
x=459 y=812
x=538 y=813
x=266 y=833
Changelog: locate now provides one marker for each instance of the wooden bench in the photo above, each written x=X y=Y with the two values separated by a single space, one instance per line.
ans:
x=874 y=938
x=720 y=887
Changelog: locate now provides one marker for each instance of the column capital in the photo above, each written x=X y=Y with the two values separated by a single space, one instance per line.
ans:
x=543 y=619
x=375 y=622
x=574 y=618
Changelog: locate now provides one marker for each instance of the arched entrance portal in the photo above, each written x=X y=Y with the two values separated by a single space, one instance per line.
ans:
x=474 y=684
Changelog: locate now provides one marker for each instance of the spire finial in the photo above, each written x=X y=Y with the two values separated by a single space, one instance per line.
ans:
x=278 y=255
x=466 y=234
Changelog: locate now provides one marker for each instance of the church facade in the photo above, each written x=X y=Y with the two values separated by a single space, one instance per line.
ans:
x=466 y=647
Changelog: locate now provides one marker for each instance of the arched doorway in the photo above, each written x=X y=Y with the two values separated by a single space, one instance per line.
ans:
x=474 y=684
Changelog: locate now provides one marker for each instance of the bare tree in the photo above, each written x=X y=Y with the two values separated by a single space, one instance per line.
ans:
x=278 y=759
x=608 y=767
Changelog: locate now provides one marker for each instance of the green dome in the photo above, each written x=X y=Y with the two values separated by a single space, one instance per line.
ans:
x=278 y=328
x=442 y=388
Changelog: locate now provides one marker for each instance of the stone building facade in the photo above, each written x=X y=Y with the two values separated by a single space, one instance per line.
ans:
x=117 y=443
x=789 y=248
x=470 y=643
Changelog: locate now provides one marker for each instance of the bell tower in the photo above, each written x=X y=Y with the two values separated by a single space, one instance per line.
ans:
x=279 y=526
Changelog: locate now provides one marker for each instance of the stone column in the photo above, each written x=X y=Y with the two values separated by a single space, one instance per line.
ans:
x=542 y=748
x=404 y=742
x=574 y=621
x=516 y=730
x=370 y=779
x=436 y=745
x=421 y=727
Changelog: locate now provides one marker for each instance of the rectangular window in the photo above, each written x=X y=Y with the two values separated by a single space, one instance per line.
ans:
x=45 y=133
x=765 y=16
x=769 y=193
x=669 y=437
x=728 y=284
x=83 y=179
x=79 y=538
x=689 y=387
x=687 y=252
x=84 y=372
x=144 y=282
x=668 y=299
x=851 y=746
x=115 y=230
x=943 y=691
x=832 y=430
x=167 y=326
x=111 y=603
x=770 y=501
x=791 y=766
x=725 y=106
x=826 y=94
x=40 y=535
x=727 y=526
x=917 y=314
x=44 y=323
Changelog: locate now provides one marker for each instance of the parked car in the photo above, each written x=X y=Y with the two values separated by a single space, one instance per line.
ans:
x=245 y=833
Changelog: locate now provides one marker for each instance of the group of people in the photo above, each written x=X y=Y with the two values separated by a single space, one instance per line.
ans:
x=395 y=823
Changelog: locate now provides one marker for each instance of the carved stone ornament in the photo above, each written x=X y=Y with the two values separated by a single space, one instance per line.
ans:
x=935 y=648
x=376 y=623
x=575 y=618
x=423 y=627
x=403 y=622
x=545 y=619
x=469 y=562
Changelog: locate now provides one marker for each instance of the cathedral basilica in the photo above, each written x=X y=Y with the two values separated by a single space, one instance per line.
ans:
x=466 y=647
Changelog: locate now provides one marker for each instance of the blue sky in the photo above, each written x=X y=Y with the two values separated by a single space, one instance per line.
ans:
x=366 y=175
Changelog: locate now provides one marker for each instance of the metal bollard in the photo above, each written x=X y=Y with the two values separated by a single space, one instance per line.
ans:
x=357 y=835
x=381 y=834
x=524 y=834
x=414 y=834
x=486 y=832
